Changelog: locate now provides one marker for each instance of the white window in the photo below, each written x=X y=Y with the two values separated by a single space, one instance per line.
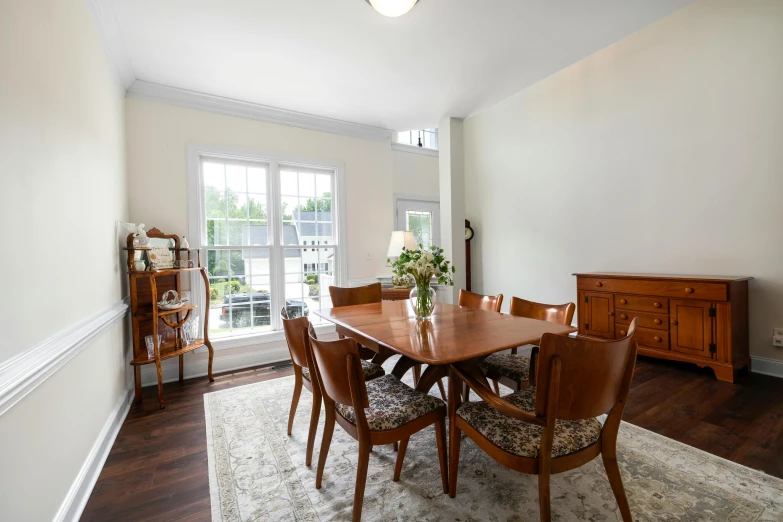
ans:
x=422 y=217
x=425 y=138
x=255 y=214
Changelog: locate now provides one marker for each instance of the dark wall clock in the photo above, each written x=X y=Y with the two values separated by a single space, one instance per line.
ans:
x=469 y=233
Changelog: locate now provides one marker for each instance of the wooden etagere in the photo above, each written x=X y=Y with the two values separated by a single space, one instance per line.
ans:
x=146 y=289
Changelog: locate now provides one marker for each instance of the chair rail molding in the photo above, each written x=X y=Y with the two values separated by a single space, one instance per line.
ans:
x=24 y=372
x=253 y=111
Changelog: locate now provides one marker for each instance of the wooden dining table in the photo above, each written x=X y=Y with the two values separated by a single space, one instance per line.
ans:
x=453 y=334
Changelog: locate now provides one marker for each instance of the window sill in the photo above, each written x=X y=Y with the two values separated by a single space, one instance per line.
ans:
x=242 y=341
x=401 y=147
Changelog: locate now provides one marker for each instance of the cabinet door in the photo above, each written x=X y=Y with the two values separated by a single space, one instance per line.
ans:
x=691 y=328
x=599 y=320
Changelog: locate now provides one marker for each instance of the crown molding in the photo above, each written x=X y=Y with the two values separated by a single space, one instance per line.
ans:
x=253 y=111
x=26 y=371
x=113 y=42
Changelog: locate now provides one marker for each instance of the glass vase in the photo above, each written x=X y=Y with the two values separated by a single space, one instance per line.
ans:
x=423 y=301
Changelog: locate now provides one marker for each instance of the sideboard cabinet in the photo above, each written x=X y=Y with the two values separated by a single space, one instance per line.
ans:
x=697 y=319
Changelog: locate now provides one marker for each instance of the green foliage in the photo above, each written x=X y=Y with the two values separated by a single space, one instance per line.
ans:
x=234 y=286
x=213 y=294
x=311 y=279
x=423 y=264
x=324 y=205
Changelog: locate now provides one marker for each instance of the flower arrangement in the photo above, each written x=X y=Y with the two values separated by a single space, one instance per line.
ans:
x=420 y=266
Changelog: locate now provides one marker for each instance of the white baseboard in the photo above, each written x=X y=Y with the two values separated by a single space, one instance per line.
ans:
x=74 y=503
x=766 y=366
x=197 y=366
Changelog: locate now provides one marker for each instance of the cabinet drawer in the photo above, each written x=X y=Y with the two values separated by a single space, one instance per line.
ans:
x=646 y=337
x=642 y=303
x=654 y=321
x=667 y=288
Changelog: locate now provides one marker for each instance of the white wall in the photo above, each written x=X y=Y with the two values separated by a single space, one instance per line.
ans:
x=62 y=151
x=661 y=153
x=415 y=174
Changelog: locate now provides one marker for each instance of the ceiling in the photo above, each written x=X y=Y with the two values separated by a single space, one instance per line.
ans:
x=340 y=59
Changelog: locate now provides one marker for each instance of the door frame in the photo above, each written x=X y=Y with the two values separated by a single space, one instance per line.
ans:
x=420 y=199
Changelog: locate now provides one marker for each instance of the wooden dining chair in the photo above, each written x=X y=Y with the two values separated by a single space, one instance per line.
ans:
x=551 y=426
x=381 y=411
x=295 y=336
x=356 y=296
x=512 y=369
x=490 y=303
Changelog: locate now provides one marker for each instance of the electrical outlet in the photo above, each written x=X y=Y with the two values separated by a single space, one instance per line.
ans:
x=777 y=341
x=369 y=258
x=777 y=332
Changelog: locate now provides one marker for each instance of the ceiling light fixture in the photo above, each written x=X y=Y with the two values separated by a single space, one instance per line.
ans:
x=392 y=8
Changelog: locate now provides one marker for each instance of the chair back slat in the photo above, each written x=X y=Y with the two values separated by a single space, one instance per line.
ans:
x=560 y=314
x=333 y=362
x=294 y=330
x=490 y=303
x=591 y=375
x=355 y=296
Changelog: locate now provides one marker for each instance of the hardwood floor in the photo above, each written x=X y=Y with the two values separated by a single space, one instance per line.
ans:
x=157 y=468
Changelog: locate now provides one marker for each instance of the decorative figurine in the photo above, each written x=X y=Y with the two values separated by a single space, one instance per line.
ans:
x=184 y=243
x=141 y=240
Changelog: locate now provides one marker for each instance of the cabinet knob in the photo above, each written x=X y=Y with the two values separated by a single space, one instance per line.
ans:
x=599 y=284
x=657 y=339
x=689 y=290
x=622 y=332
x=674 y=322
x=611 y=314
x=623 y=301
x=657 y=305
x=657 y=321
x=623 y=316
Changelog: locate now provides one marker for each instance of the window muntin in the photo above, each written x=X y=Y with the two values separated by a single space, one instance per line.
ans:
x=420 y=223
x=251 y=274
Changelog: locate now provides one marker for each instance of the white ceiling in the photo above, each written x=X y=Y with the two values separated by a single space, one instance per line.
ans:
x=340 y=59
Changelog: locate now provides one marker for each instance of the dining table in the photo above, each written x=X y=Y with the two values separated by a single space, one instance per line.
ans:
x=453 y=334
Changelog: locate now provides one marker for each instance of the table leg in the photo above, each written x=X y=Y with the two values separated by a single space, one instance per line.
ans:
x=432 y=375
x=403 y=365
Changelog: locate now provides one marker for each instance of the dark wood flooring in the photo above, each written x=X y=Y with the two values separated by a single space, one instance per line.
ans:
x=157 y=468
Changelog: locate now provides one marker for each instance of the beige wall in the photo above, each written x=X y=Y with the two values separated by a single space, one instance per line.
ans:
x=158 y=135
x=63 y=188
x=661 y=153
x=415 y=174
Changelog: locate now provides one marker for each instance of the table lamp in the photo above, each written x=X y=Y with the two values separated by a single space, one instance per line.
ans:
x=400 y=239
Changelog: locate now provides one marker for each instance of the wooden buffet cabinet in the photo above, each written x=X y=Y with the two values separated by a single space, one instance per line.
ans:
x=698 y=319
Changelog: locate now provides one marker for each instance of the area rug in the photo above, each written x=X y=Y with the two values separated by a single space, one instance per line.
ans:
x=257 y=472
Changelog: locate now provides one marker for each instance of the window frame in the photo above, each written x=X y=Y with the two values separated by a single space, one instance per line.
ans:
x=197 y=230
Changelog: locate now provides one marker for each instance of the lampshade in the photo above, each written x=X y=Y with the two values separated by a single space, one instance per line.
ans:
x=401 y=239
x=392 y=8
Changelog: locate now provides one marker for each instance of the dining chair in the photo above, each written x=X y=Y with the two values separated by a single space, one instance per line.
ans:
x=491 y=303
x=512 y=369
x=356 y=296
x=295 y=336
x=377 y=412
x=551 y=426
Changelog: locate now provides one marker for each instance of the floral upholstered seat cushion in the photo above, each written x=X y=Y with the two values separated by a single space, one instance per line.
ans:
x=392 y=404
x=515 y=367
x=523 y=439
x=371 y=371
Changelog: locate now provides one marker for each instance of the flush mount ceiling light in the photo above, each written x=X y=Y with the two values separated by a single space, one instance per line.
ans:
x=392 y=8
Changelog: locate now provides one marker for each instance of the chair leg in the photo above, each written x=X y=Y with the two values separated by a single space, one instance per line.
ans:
x=455 y=436
x=325 y=442
x=543 y=496
x=497 y=387
x=466 y=392
x=400 y=458
x=295 y=399
x=616 y=481
x=442 y=390
x=395 y=446
x=313 y=426
x=440 y=436
x=361 y=481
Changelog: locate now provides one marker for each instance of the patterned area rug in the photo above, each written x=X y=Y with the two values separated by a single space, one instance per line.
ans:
x=257 y=472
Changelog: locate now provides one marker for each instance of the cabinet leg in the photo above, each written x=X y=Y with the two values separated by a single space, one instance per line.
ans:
x=211 y=356
x=724 y=373
x=181 y=368
x=137 y=384
x=160 y=383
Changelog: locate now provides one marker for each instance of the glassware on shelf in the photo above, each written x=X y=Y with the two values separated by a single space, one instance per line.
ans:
x=151 y=345
x=190 y=330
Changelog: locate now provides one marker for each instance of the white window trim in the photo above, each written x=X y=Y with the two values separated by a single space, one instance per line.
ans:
x=413 y=149
x=197 y=231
